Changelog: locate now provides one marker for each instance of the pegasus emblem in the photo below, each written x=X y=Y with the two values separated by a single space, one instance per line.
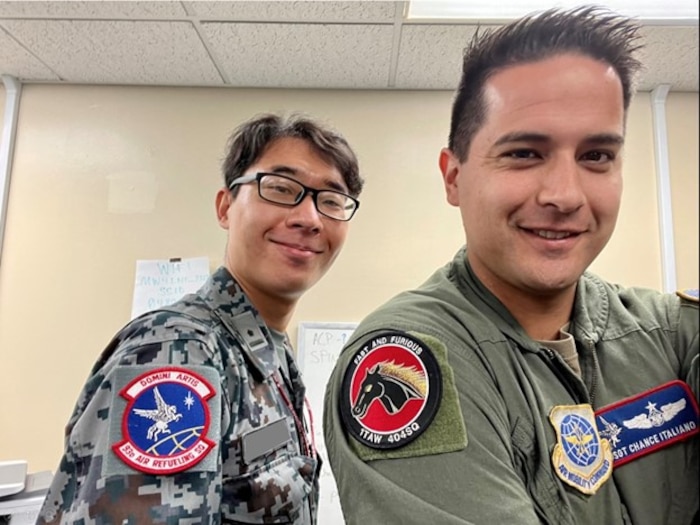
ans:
x=611 y=431
x=162 y=415
x=655 y=417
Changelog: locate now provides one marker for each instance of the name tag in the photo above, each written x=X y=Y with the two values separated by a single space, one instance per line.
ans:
x=264 y=440
x=649 y=421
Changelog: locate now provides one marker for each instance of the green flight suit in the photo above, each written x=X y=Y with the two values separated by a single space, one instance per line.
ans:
x=487 y=456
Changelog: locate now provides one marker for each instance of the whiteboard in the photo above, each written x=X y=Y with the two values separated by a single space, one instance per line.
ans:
x=318 y=348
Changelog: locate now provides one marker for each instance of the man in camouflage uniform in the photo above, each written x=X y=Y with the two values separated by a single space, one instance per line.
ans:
x=194 y=413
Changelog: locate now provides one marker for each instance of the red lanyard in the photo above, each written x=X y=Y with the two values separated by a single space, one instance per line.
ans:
x=309 y=445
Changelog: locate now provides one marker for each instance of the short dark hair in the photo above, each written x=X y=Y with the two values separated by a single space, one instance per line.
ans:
x=590 y=31
x=250 y=140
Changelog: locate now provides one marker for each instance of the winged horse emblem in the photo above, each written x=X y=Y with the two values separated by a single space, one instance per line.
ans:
x=610 y=432
x=655 y=417
x=162 y=415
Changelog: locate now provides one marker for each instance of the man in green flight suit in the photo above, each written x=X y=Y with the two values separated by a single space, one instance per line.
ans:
x=515 y=387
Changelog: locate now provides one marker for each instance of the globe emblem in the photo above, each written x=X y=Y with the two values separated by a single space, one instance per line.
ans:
x=176 y=443
x=579 y=440
x=166 y=419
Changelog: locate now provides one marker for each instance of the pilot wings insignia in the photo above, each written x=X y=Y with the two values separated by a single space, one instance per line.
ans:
x=656 y=417
x=162 y=415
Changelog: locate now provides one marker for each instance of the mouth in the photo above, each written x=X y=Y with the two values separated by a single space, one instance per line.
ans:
x=553 y=235
x=298 y=247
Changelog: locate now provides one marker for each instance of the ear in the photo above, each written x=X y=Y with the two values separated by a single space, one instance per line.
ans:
x=223 y=203
x=450 y=167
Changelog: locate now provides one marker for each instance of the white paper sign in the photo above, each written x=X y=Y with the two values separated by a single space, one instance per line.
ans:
x=160 y=282
x=318 y=348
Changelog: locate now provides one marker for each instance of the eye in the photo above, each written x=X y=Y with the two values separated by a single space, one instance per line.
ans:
x=522 y=153
x=279 y=186
x=598 y=157
x=331 y=200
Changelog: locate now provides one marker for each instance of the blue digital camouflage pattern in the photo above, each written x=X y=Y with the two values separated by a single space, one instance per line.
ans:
x=219 y=335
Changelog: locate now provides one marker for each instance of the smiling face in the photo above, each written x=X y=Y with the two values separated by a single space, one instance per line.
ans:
x=278 y=252
x=539 y=191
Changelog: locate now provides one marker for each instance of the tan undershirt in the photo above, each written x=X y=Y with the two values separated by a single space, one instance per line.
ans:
x=566 y=348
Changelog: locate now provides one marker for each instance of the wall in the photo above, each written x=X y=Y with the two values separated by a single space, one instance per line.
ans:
x=103 y=176
x=682 y=117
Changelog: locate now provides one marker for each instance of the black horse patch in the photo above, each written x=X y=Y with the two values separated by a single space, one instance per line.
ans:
x=391 y=391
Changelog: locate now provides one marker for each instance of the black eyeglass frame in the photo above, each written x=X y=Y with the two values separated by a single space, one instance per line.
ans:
x=256 y=177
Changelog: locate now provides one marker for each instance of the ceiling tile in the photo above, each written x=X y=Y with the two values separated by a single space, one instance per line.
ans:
x=302 y=55
x=19 y=63
x=430 y=56
x=91 y=9
x=363 y=11
x=670 y=57
x=163 y=53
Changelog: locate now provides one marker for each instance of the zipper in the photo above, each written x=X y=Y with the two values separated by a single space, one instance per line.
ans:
x=596 y=368
x=555 y=366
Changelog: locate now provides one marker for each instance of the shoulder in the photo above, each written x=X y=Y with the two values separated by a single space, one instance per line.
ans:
x=184 y=333
x=643 y=307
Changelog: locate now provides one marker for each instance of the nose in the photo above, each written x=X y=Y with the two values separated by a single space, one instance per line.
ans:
x=560 y=186
x=305 y=215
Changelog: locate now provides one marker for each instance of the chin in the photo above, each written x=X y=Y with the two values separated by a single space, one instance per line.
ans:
x=294 y=289
x=550 y=282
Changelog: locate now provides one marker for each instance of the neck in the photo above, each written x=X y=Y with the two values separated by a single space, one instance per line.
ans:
x=540 y=314
x=541 y=317
x=275 y=310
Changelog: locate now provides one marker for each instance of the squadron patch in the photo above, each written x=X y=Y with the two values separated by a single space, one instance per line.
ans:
x=391 y=391
x=692 y=294
x=649 y=421
x=581 y=458
x=165 y=422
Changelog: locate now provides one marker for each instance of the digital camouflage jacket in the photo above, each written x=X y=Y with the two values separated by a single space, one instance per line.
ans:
x=189 y=417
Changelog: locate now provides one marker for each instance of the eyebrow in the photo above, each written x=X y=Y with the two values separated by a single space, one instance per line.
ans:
x=288 y=170
x=529 y=136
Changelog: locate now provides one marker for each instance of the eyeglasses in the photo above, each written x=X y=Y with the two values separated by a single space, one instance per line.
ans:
x=286 y=191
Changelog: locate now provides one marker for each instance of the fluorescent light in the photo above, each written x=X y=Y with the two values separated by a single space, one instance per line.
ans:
x=494 y=10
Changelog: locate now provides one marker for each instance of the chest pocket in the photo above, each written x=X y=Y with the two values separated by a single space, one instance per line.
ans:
x=275 y=491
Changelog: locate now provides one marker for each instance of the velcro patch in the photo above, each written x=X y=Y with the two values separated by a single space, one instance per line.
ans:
x=692 y=294
x=166 y=418
x=391 y=391
x=649 y=421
